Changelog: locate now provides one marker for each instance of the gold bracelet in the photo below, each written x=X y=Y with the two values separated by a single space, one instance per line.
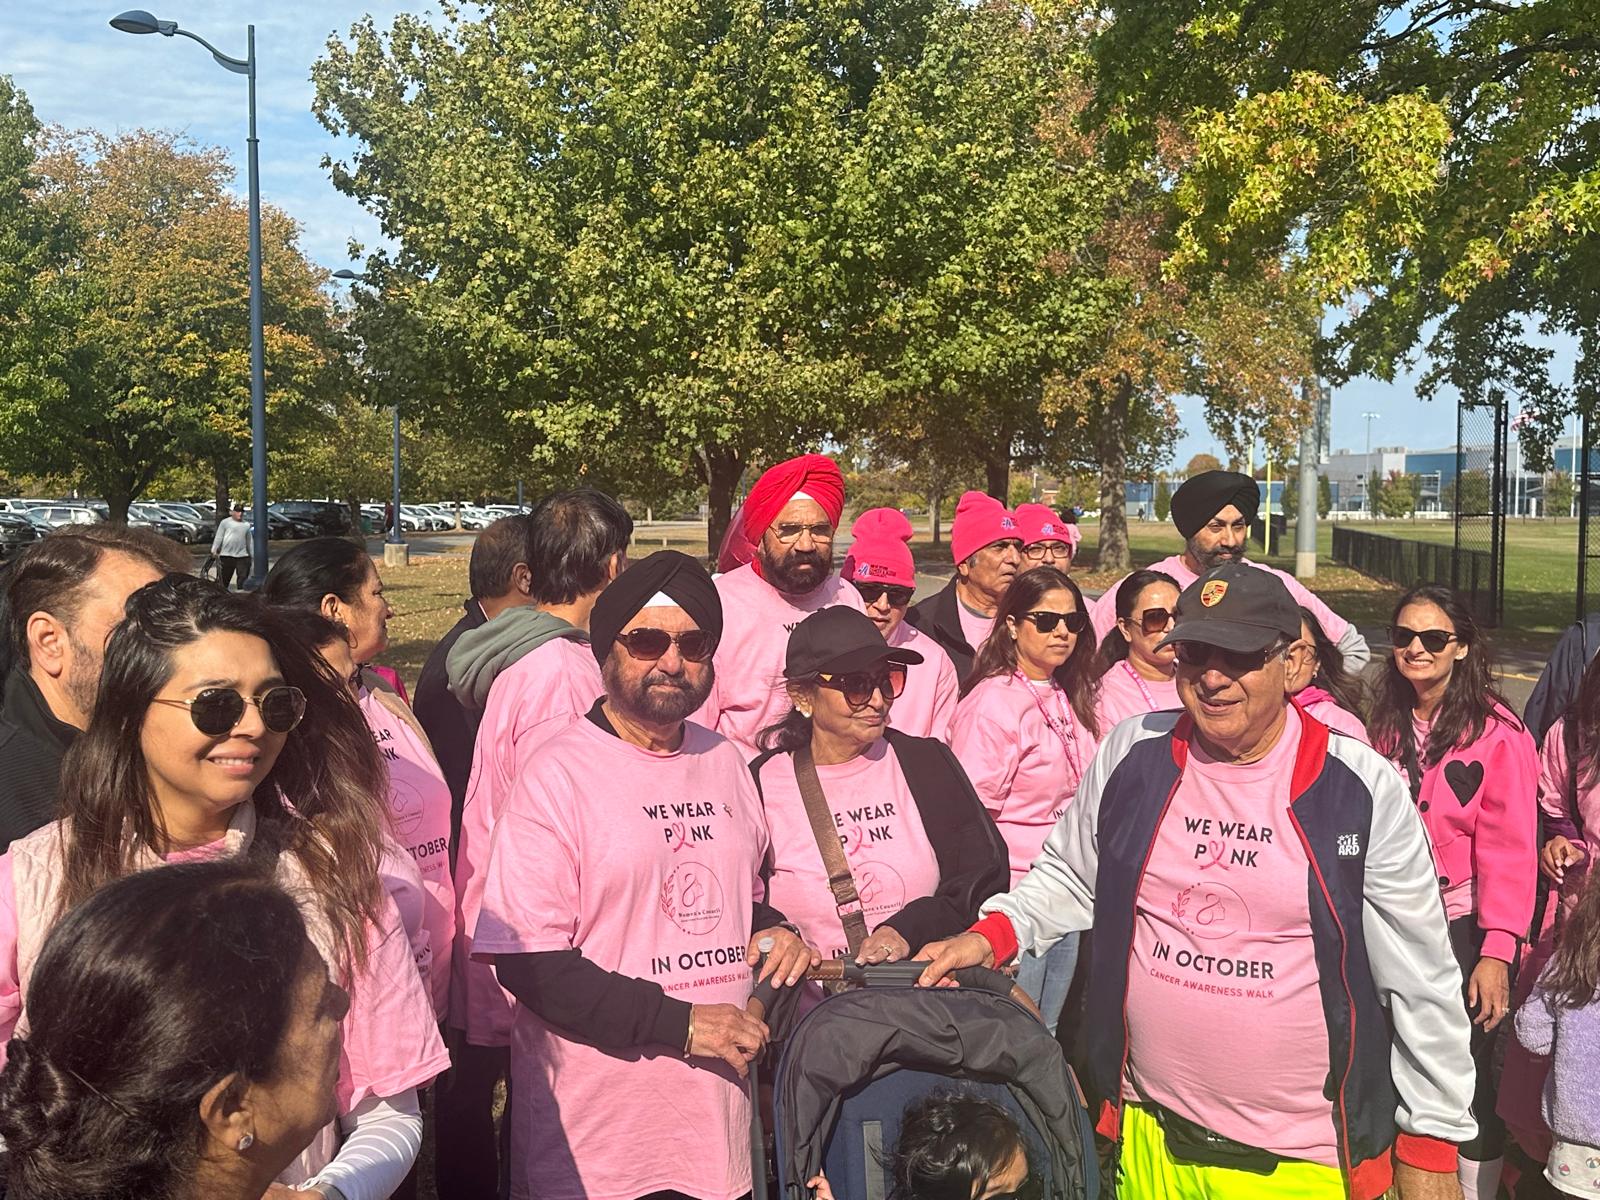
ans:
x=689 y=1041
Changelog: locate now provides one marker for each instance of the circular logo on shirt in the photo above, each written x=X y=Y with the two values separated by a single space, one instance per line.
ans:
x=405 y=807
x=691 y=898
x=880 y=886
x=1210 y=911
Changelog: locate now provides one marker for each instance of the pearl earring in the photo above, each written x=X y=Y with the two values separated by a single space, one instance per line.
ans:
x=247 y=1141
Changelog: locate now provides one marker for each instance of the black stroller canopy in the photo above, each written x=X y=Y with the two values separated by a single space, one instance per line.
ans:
x=965 y=1033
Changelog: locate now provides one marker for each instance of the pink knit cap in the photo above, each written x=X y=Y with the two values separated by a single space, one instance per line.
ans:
x=1040 y=523
x=981 y=520
x=879 y=553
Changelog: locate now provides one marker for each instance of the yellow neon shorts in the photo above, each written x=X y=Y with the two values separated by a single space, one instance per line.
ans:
x=1148 y=1172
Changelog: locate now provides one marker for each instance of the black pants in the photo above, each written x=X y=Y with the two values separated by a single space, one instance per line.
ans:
x=230 y=568
x=1466 y=941
x=467 y=1158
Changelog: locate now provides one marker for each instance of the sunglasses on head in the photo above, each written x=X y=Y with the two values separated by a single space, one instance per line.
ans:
x=1045 y=622
x=1433 y=640
x=1153 y=620
x=899 y=596
x=216 y=711
x=695 y=645
x=1234 y=662
x=857 y=687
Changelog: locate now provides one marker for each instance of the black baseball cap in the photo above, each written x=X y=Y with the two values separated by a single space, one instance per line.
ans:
x=1237 y=607
x=836 y=641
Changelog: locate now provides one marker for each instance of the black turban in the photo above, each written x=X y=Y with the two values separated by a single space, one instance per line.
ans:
x=678 y=575
x=1203 y=496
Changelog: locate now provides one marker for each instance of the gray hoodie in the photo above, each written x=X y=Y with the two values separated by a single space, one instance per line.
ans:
x=480 y=654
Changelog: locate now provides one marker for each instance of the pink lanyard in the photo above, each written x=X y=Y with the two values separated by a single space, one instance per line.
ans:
x=1060 y=726
x=1149 y=700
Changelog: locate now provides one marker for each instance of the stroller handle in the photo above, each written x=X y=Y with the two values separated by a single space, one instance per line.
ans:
x=896 y=974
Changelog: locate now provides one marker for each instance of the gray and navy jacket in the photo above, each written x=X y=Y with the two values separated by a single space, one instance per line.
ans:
x=1400 y=1077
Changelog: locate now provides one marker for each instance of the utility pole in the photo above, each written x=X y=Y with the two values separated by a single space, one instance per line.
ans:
x=1305 y=531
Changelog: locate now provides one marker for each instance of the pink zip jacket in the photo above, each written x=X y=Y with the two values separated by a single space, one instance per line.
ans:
x=1480 y=806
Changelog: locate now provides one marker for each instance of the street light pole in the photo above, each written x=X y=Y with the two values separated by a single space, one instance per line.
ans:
x=392 y=536
x=1366 y=484
x=141 y=22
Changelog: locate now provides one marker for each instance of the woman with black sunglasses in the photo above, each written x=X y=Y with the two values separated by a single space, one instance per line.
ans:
x=1140 y=674
x=1474 y=777
x=1026 y=731
x=218 y=732
x=845 y=794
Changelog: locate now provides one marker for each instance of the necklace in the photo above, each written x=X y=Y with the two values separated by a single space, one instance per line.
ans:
x=1060 y=725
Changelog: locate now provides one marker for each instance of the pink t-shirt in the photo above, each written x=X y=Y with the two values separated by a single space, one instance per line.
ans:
x=880 y=828
x=536 y=697
x=419 y=818
x=1024 y=750
x=974 y=628
x=1325 y=708
x=1125 y=693
x=927 y=708
x=1104 y=610
x=1556 y=803
x=649 y=864
x=1224 y=1012
x=748 y=694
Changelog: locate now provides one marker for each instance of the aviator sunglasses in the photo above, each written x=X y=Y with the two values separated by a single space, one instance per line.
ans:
x=1045 y=622
x=695 y=645
x=858 y=686
x=1433 y=640
x=216 y=711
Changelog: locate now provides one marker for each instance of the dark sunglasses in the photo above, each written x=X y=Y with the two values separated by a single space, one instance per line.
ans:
x=1045 y=622
x=1155 y=620
x=858 y=686
x=217 y=711
x=1234 y=662
x=899 y=597
x=1433 y=640
x=696 y=645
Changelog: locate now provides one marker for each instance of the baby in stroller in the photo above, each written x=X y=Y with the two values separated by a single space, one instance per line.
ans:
x=953 y=1146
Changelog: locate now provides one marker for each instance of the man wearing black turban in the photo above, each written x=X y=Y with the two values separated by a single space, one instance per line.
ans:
x=618 y=909
x=1213 y=511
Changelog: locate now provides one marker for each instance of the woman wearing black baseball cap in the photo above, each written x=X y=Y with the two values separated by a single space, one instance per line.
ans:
x=877 y=837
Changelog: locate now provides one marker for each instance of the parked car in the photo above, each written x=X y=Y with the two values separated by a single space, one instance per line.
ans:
x=425 y=520
x=58 y=515
x=281 y=528
x=203 y=520
x=409 y=523
x=327 y=517
x=16 y=533
x=154 y=516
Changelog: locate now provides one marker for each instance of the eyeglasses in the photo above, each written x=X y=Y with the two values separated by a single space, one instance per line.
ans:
x=216 y=711
x=695 y=645
x=1040 y=551
x=899 y=596
x=1045 y=622
x=1433 y=640
x=858 y=686
x=1234 y=662
x=790 y=532
x=1153 y=620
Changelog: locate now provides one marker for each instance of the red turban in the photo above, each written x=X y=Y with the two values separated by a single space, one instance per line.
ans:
x=816 y=475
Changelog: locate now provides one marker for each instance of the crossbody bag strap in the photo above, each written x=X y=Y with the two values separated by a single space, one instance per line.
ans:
x=846 y=900
x=1408 y=745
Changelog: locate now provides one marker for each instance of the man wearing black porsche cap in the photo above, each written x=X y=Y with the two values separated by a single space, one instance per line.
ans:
x=1213 y=511
x=1272 y=1004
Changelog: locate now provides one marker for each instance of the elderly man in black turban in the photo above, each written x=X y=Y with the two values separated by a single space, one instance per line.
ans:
x=623 y=903
x=1213 y=511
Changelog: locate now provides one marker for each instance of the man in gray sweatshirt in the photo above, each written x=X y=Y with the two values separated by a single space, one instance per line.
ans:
x=231 y=547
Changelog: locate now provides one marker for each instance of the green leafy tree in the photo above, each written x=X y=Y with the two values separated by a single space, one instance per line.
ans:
x=1163 y=499
x=1559 y=492
x=1398 y=497
x=1324 y=497
x=1470 y=495
x=1201 y=463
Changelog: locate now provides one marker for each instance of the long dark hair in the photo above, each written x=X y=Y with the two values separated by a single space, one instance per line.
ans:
x=998 y=655
x=318 y=567
x=951 y=1147
x=1573 y=977
x=1114 y=649
x=1470 y=698
x=144 y=997
x=1332 y=675
x=323 y=800
x=1583 y=716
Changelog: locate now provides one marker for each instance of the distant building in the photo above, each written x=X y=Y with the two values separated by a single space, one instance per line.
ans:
x=1348 y=473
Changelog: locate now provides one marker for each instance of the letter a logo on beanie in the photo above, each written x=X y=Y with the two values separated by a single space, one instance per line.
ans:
x=1213 y=592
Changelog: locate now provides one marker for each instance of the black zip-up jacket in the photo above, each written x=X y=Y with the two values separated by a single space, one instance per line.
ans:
x=451 y=729
x=939 y=616
x=32 y=745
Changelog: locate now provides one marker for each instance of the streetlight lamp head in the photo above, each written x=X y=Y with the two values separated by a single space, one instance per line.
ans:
x=347 y=273
x=136 y=20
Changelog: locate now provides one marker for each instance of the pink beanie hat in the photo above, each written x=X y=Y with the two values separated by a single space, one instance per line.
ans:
x=1041 y=524
x=981 y=520
x=879 y=553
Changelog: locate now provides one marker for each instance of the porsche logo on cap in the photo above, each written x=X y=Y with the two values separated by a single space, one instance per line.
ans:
x=1213 y=592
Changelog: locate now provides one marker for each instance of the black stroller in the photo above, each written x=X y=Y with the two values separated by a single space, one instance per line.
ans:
x=855 y=1062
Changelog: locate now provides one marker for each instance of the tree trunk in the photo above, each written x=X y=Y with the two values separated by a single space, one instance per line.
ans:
x=354 y=501
x=935 y=503
x=117 y=498
x=722 y=469
x=997 y=475
x=221 y=477
x=1113 y=447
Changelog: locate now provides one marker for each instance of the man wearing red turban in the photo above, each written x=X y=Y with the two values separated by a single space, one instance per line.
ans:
x=777 y=565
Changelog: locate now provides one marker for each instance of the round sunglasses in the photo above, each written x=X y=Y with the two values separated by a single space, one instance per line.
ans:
x=1045 y=621
x=1433 y=640
x=647 y=645
x=858 y=686
x=216 y=711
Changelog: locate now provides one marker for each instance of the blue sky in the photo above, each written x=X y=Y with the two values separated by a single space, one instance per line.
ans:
x=81 y=73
